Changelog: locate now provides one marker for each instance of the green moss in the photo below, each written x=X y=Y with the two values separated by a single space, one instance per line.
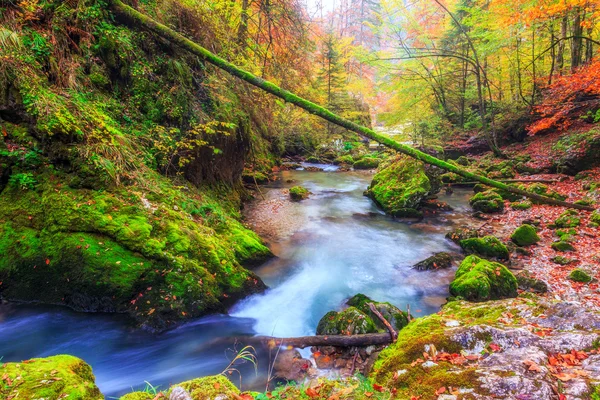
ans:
x=488 y=246
x=525 y=235
x=561 y=260
x=397 y=318
x=562 y=246
x=254 y=177
x=487 y=202
x=51 y=378
x=568 y=219
x=595 y=217
x=460 y=234
x=366 y=163
x=351 y=321
x=527 y=282
x=478 y=279
x=137 y=396
x=209 y=388
x=298 y=193
x=521 y=205
x=97 y=251
x=346 y=159
x=579 y=275
x=400 y=186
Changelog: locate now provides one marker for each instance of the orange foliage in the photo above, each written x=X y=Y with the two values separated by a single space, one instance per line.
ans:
x=568 y=98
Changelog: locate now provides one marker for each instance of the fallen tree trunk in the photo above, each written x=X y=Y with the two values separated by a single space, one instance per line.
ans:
x=506 y=181
x=135 y=17
x=363 y=340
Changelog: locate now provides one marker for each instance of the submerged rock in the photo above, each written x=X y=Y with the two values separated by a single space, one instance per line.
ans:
x=437 y=261
x=478 y=279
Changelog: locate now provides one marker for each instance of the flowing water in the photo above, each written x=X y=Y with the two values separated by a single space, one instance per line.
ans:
x=329 y=247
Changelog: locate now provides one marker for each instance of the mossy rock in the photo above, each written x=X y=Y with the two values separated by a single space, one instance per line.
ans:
x=487 y=202
x=521 y=205
x=562 y=246
x=346 y=159
x=396 y=317
x=401 y=185
x=451 y=177
x=313 y=160
x=478 y=279
x=488 y=246
x=437 y=261
x=527 y=282
x=460 y=234
x=101 y=251
x=562 y=260
x=209 y=388
x=298 y=193
x=351 y=321
x=366 y=163
x=568 y=219
x=464 y=161
x=579 y=275
x=525 y=235
x=138 y=396
x=52 y=378
x=595 y=217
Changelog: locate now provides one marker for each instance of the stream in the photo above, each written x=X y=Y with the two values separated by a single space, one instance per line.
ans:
x=329 y=247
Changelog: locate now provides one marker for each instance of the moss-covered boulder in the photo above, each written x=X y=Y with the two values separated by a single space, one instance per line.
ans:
x=562 y=246
x=366 y=163
x=487 y=202
x=52 y=378
x=254 y=177
x=460 y=234
x=488 y=246
x=396 y=317
x=595 y=218
x=521 y=205
x=579 y=275
x=568 y=219
x=478 y=279
x=346 y=159
x=437 y=261
x=298 y=193
x=400 y=187
x=525 y=235
x=161 y=256
x=527 y=282
x=351 y=321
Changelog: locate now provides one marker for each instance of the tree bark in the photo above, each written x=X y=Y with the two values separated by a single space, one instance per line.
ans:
x=367 y=339
x=135 y=17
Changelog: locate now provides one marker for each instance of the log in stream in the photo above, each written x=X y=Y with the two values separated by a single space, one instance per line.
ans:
x=362 y=340
x=135 y=17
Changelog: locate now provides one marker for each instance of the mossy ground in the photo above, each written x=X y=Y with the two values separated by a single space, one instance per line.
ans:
x=52 y=378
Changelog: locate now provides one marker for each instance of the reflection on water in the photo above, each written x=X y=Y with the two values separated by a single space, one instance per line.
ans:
x=329 y=247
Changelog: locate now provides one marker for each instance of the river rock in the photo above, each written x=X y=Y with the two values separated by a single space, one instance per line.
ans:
x=478 y=279
x=290 y=365
x=400 y=187
x=437 y=261
x=179 y=393
x=397 y=318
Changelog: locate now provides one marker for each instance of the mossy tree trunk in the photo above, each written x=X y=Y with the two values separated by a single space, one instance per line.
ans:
x=135 y=17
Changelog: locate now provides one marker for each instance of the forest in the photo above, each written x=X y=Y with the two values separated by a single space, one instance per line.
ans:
x=299 y=199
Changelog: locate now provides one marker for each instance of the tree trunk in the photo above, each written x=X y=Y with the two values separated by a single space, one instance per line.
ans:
x=135 y=17
x=363 y=340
